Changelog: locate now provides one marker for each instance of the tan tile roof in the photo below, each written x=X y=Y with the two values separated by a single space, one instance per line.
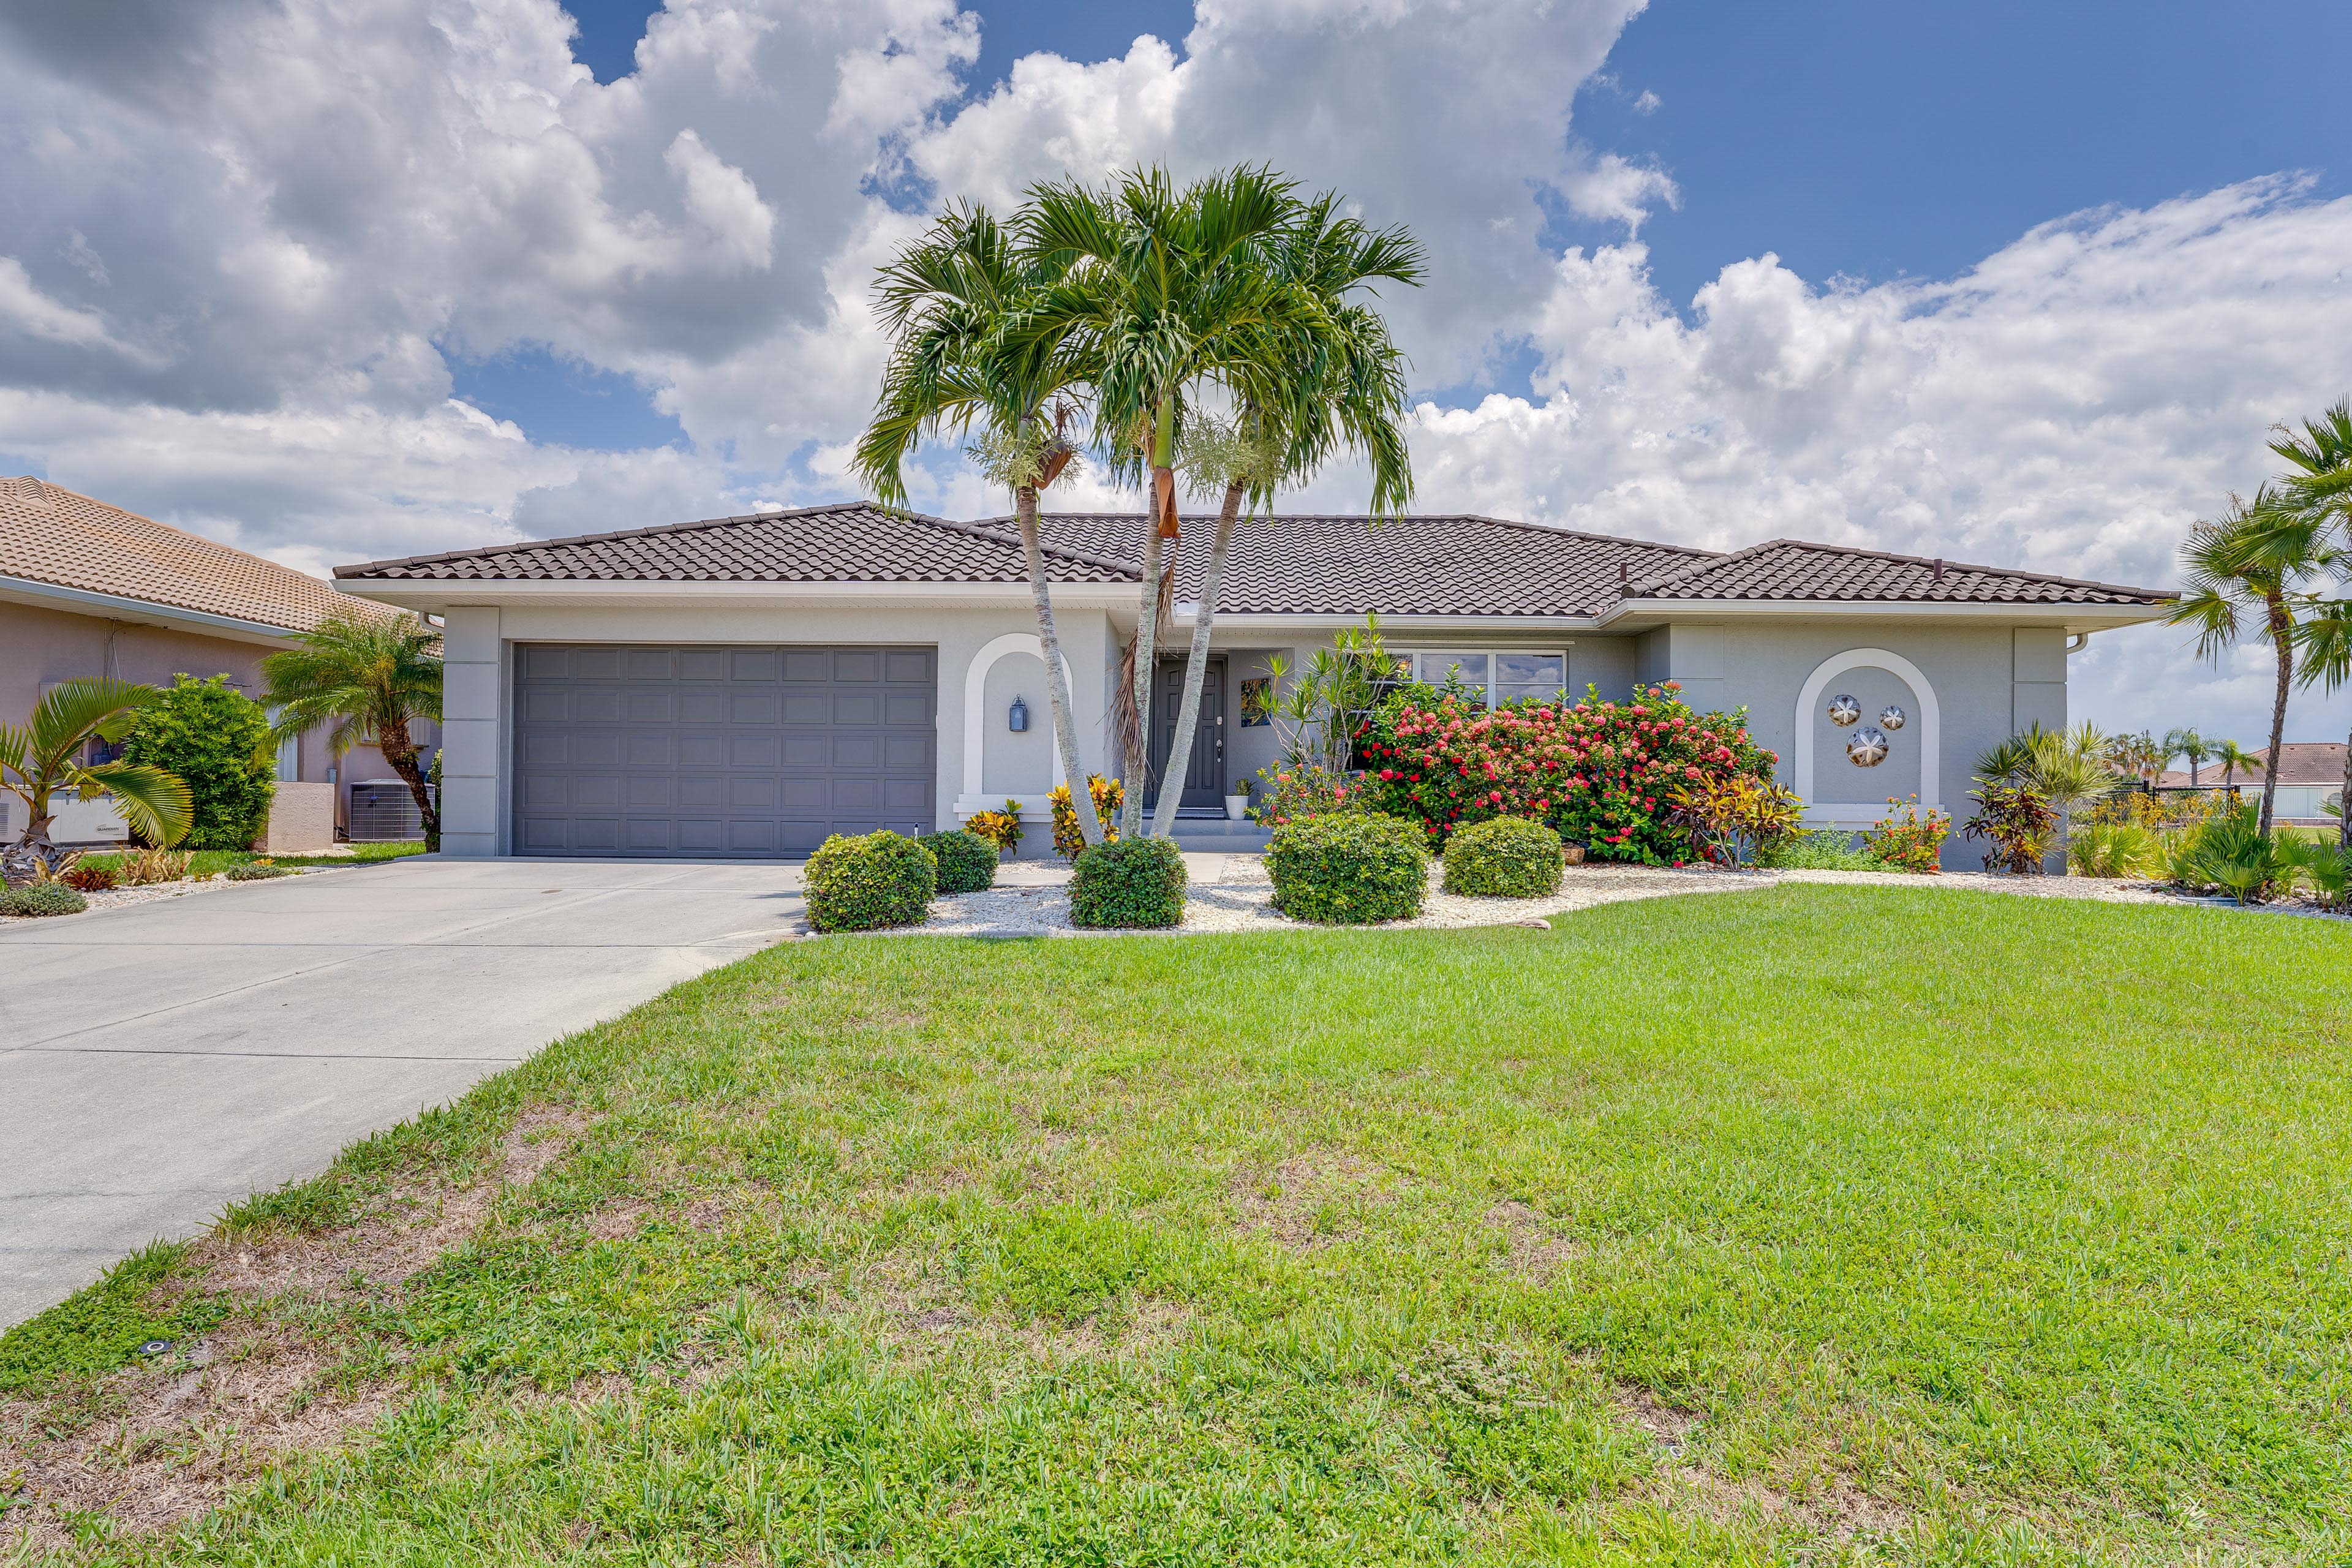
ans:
x=51 y=534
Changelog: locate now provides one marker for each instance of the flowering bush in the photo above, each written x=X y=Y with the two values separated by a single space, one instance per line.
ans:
x=1910 y=839
x=1067 y=839
x=1295 y=793
x=1602 y=775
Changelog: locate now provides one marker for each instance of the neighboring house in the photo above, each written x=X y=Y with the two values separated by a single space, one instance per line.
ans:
x=88 y=589
x=745 y=686
x=2311 y=777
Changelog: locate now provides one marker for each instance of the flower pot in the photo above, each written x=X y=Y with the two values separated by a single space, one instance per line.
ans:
x=1573 y=853
x=1236 y=807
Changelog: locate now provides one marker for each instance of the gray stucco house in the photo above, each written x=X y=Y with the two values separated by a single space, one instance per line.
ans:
x=744 y=686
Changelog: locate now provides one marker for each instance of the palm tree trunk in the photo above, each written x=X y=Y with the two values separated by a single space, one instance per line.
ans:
x=1058 y=686
x=400 y=755
x=1196 y=670
x=2283 y=645
x=2344 y=804
x=1147 y=635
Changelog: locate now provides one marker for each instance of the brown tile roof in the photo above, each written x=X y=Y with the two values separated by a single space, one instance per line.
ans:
x=2307 y=762
x=54 y=535
x=1791 y=569
x=1457 y=565
x=854 y=542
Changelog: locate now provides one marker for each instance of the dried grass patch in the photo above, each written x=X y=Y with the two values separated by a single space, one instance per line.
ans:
x=178 y=1436
x=1538 y=1251
x=1315 y=1199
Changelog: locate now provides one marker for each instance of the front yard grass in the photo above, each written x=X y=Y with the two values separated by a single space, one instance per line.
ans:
x=1821 y=1224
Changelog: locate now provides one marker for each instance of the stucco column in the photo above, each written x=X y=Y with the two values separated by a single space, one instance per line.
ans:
x=473 y=741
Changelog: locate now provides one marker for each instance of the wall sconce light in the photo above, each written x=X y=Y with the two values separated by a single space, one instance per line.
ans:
x=1019 y=717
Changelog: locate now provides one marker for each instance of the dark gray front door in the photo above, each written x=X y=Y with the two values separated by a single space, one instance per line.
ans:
x=1204 y=778
x=742 y=751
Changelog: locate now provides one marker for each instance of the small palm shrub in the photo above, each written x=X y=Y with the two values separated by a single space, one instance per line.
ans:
x=967 y=861
x=1503 y=856
x=91 y=877
x=2321 y=866
x=861 y=884
x=1349 y=869
x=2115 y=849
x=1129 y=882
x=2232 y=853
x=42 y=899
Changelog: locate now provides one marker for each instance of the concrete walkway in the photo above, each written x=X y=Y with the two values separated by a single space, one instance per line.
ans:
x=161 y=1060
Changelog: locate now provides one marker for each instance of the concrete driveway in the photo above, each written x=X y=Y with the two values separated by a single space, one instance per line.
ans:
x=160 y=1061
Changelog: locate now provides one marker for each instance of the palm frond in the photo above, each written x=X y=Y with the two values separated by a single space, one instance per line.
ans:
x=155 y=803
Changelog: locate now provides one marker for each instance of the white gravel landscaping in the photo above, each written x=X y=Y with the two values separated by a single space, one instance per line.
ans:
x=1231 y=892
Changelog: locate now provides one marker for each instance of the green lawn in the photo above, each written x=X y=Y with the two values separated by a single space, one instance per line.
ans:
x=1817 y=1224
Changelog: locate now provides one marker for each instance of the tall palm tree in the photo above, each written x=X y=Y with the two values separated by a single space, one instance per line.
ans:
x=2320 y=487
x=1340 y=384
x=2191 y=747
x=2248 y=570
x=1163 y=298
x=947 y=298
x=370 y=678
x=43 y=757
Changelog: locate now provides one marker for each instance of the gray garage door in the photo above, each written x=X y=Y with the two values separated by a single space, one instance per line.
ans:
x=742 y=752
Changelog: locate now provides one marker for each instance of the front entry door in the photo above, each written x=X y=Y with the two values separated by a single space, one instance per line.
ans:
x=1204 y=779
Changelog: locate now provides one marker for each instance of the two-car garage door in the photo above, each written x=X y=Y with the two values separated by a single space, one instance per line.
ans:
x=719 y=750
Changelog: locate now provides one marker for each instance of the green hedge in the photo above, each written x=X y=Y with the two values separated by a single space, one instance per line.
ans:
x=1349 y=869
x=216 y=739
x=1129 y=882
x=1504 y=856
x=42 y=899
x=858 y=884
x=967 y=861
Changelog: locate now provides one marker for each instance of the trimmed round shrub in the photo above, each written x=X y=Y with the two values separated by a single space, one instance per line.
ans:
x=967 y=861
x=1503 y=856
x=1134 y=882
x=42 y=899
x=93 y=877
x=1349 y=869
x=883 y=879
x=216 y=740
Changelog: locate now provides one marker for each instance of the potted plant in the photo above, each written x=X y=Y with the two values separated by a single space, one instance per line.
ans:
x=1237 y=801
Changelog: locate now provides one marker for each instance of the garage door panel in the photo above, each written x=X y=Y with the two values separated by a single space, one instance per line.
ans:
x=720 y=751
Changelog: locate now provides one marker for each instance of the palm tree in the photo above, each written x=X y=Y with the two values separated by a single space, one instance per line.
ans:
x=2320 y=487
x=2249 y=568
x=1161 y=298
x=947 y=300
x=2192 y=747
x=43 y=757
x=370 y=678
x=1340 y=387
x=2064 y=767
x=2233 y=756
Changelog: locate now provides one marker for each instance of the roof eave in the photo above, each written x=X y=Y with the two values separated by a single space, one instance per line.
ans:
x=1638 y=612
x=439 y=593
x=145 y=612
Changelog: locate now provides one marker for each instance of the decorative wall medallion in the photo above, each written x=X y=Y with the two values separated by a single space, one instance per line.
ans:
x=1843 y=710
x=1867 y=749
x=1891 y=717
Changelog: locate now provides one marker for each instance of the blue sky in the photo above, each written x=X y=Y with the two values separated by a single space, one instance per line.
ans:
x=1859 y=138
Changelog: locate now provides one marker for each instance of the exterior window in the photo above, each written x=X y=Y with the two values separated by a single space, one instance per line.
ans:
x=1495 y=676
